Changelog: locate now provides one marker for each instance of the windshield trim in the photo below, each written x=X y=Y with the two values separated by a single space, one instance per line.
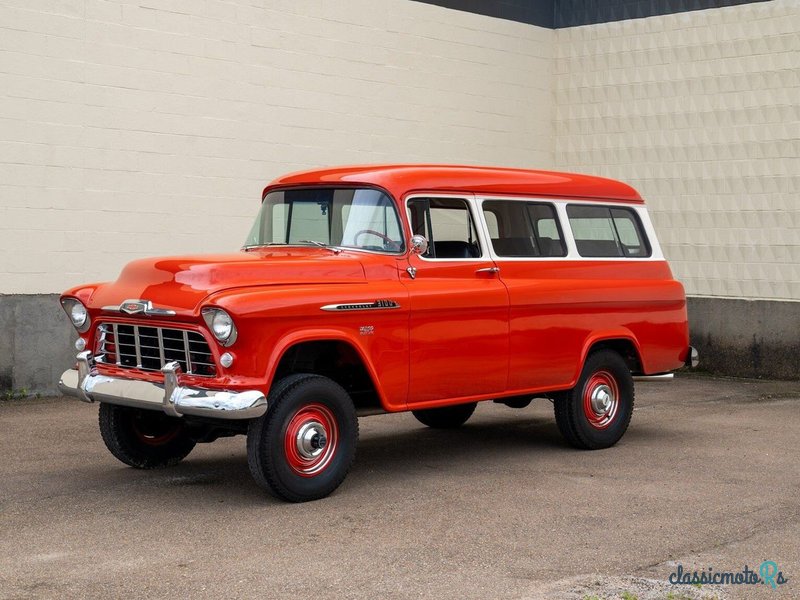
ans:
x=339 y=185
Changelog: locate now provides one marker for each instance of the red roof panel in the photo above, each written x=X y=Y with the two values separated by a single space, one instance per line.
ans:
x=400 y=180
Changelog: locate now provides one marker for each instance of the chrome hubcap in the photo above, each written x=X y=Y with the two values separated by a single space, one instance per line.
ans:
x=602 y=399
x=311 y=439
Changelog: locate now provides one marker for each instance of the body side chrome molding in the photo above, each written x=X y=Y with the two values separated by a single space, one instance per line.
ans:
x=376 y=305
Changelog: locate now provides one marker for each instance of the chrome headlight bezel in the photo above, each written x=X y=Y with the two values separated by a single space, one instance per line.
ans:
x=77 y=313
x=220 y=324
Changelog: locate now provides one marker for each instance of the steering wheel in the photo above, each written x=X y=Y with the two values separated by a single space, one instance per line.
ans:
x=388 y=242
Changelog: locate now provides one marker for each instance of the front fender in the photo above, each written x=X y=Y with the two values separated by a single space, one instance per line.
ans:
x=270 y=321
x=389 y=403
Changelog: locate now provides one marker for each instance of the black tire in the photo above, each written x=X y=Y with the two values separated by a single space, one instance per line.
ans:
x=144 y=439
x=585 y=426
x=322 y=408
x=447 y=417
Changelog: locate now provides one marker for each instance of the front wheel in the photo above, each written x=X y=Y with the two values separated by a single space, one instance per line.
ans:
x=144 y=439
x=596 y=412
x=303 y=447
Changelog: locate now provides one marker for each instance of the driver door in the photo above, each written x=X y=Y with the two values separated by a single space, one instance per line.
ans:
x=459 y=306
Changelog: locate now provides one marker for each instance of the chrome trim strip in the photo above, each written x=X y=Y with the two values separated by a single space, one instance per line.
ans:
x=137 y=346
x=161 y=345
x=655 y=378
x=186 y=351
x=171 y=397
x=349 y=306
x=117 y=353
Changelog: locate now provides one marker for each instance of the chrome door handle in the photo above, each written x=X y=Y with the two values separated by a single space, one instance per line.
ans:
x=489 y=270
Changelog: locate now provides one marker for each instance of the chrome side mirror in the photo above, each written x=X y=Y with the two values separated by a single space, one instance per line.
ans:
x=419 y=244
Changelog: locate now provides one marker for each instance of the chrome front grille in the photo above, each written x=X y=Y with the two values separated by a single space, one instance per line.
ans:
x=150 y=348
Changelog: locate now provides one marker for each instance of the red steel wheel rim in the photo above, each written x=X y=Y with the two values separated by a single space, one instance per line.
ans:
x=311 y=440
x=601 y=399
x=156 y=434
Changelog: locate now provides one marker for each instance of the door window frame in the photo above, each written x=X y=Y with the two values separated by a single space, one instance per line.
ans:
x=477 y=220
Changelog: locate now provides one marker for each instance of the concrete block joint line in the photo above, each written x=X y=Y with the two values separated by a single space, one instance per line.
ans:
x=129 y=131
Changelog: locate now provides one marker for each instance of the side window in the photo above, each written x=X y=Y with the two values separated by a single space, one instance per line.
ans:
x=491 y=223
x=605 y=231
x=546 y=230
x=448 y=225
x=523 y=229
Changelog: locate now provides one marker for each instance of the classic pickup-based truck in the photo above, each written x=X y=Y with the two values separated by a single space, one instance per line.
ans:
x=380 y=289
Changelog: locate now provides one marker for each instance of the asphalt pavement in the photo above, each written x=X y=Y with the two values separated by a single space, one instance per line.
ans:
x=706 y=478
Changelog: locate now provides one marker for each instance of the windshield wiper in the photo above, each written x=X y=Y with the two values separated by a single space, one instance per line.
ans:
x=251 y=246
x=334 y=249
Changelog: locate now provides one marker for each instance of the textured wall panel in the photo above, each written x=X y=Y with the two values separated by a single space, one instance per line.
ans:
x=146 y=127
x=701 y=113
x=571 y=13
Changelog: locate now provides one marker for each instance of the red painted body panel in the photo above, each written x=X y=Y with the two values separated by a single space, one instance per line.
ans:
x=559 y=308
x=458 y=331
x=457 y=336
x=180 y=283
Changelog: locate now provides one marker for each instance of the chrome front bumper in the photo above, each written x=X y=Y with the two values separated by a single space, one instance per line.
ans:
x=175 y=400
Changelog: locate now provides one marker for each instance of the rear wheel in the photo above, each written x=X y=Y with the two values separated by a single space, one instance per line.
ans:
x=303 y=447
x=447 y=417
x=596 y=412
x=145 y=439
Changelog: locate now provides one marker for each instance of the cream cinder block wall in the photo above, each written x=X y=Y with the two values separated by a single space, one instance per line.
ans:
x=150 y=127
x=700 y=111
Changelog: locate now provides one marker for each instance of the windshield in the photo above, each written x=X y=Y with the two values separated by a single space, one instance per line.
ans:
x=346 y=217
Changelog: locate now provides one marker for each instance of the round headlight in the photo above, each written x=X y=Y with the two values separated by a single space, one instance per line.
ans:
x=78 y=314
x=221 y=325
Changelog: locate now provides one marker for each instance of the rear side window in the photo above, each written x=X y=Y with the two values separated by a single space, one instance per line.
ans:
x=606 y=231
x=523 y=229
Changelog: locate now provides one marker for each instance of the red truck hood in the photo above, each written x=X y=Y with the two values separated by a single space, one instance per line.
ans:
x=180 y=283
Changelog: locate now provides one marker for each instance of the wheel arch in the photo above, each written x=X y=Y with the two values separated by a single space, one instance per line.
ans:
x=307 y=352
x=622 y=341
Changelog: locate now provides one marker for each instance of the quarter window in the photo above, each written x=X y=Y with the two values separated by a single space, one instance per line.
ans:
x=448 y=225
x=523 y=229
x=605 y=231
